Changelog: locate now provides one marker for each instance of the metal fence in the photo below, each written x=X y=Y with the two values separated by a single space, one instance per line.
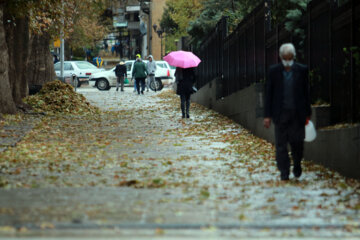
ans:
x=242 y=58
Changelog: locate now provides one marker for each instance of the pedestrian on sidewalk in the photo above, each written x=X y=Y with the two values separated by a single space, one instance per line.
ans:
x=139 y=73
x=121 y=73
x=185 y=78
x=287 y=104
x=151 y=69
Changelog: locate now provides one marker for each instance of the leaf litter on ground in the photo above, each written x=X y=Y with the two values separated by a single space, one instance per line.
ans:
x=57 y=97
x=209 y=156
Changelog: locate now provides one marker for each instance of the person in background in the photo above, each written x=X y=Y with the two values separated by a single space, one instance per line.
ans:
x=121 y=73
x=88 y=55
x=185 y=78
x=55 y=58
x=287 y=104
x=137 y=51
x=106 y=46
x=151 y=69
x=139 y=73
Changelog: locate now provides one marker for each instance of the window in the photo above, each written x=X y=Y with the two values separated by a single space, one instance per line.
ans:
x=162 y=65
x=85 y=65
x=68 y=67
x=57 y=66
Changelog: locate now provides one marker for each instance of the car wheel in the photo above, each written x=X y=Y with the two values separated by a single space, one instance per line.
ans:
x=156 y=85
x=103 y=84
x=75 y=82
x=159 y=84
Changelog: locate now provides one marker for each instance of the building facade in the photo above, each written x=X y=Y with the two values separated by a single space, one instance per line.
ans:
x=134 y=28
x=156 y=39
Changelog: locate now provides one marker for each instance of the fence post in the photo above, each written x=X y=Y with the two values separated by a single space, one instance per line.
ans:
x=224 y=33
x=254 y=50
x=331 y=79
x=352 y=64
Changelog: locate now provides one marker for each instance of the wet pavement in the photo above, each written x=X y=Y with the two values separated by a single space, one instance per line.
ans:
x=142 y=172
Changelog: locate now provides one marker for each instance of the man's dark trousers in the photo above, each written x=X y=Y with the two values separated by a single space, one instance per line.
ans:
x=289 y=130
x=140 y=82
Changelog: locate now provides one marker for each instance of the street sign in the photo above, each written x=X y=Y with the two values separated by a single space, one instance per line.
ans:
x=57 y=43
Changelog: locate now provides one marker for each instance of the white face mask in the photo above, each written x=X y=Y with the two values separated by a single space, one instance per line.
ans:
x=287 y=63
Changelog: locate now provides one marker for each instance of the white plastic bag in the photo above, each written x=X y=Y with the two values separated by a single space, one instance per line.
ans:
x=310 y=132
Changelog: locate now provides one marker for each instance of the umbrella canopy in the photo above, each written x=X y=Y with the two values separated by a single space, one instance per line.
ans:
x=182 y=59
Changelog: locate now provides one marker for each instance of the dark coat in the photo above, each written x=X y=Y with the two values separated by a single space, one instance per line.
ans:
x=139 y=70
x=274 y=92
x=120 y=70
x=185 y=78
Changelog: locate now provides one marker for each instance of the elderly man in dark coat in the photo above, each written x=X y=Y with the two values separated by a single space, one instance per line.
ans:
x=287 y=104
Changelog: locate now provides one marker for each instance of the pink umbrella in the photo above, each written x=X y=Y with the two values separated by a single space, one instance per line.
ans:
x=182 y=59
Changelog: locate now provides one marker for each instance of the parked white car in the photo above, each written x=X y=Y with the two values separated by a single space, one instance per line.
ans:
x=107 y=79
x=82 y=70
x=165 y=70
x=172 y=72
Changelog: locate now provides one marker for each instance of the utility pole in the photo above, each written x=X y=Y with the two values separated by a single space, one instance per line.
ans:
x=62 y=46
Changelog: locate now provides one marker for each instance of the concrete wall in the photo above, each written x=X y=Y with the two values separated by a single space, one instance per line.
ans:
x=338 y=149
x=240 y=106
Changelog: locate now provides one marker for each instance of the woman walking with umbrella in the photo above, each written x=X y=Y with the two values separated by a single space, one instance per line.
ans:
x=186 y=79
x=185 y=76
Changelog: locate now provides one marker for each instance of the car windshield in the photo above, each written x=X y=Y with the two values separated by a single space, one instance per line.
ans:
x=85 y=65
x=172 y=67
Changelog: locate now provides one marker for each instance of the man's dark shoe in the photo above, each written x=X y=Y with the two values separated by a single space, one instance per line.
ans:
x=142 y=92
x=183 y=116
x=187 y=116
x=297 y=170
x=117 y=89
x=284 y=176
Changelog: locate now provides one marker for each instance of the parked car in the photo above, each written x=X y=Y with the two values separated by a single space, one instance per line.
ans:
x=172 y=71
x=80 y=70
x=164 y=69
x=107 y=79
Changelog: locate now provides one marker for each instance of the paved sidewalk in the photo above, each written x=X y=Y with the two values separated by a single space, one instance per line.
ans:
x=141 y=172
x=15 y=128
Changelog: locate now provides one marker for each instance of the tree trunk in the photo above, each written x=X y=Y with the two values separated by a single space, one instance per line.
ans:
x=17 y=39
x=40 y=67
x=7 y=104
